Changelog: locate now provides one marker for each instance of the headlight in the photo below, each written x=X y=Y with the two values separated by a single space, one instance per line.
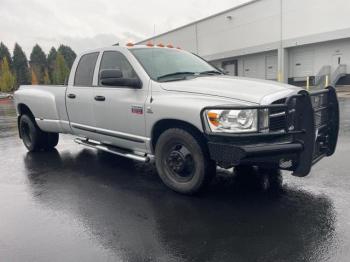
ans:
x=233 y=121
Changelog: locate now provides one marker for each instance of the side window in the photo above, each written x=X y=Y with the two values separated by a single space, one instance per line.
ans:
x=85 y=70
x=116 y=60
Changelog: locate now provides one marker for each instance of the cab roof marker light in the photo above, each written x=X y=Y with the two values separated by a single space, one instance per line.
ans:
x=170 y=46
x=160 y=45
x=150 y=44
x=129 y=44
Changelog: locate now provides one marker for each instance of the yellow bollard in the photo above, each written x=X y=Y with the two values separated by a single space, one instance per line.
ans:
x=279 y=77
x=308 y=83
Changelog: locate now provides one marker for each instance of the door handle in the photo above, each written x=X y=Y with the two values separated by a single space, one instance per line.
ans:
x=100 y=98
x=71 y=96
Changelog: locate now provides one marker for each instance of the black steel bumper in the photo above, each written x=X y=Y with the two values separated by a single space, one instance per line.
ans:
x=310 y=132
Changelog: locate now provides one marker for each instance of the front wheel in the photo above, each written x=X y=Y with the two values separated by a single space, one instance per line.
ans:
x=183 y=162
x=33 y=138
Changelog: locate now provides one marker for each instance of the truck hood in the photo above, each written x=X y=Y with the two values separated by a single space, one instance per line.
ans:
x=244 y=89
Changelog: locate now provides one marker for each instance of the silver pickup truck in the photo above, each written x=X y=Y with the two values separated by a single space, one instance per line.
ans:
x=172 y=107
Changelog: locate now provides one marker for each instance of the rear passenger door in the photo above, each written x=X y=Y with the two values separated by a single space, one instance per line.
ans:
x=79 y=96
x=120 y=116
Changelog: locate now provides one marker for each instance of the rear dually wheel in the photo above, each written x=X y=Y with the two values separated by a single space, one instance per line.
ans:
x=33 y=137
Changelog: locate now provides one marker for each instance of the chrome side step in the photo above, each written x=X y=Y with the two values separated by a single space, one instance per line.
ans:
x=114 y=150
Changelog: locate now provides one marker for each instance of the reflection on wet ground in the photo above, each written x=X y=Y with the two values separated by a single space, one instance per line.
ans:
x=79 y=204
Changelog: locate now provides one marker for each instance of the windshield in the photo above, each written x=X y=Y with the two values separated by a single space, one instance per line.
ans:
x=163 y=64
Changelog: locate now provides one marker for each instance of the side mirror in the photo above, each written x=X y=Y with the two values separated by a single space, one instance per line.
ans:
x=114 y=77
x=110 y=73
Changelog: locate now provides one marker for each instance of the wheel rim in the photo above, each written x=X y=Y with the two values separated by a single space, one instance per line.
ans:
x=26 y=134
x=180 y=163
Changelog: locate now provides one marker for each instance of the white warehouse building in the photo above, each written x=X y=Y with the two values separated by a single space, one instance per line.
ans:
x=287 y=40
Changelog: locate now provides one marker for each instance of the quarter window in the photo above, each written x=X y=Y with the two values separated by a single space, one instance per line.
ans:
x=85 y=70
x=116 y=60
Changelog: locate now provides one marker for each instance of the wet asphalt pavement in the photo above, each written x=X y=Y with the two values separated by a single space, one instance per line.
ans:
x=77 y=204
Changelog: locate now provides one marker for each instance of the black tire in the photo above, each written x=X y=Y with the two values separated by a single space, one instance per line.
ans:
x=50 y=140
x=183 y=161
x=272 y=179
x=264 y=179
x=33 y=138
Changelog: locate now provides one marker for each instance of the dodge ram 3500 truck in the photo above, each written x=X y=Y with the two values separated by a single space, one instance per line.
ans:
x=172 y=107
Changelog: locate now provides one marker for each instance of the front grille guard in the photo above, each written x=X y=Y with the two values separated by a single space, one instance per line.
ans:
x=318 y=137
x=317 y=115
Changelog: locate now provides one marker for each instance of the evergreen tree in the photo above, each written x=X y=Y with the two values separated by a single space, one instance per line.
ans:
x=68 y=54
x=20 y=66
x=7 y=79
x=34 y=78
x=38 y=63
x=47 y=80
x=61 y=70
x=51 y=60
x=4 y=52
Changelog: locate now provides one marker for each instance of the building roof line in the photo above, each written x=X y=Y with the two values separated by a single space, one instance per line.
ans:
x=200 y=20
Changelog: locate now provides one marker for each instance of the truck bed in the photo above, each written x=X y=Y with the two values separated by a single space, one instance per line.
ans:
x=48 y=105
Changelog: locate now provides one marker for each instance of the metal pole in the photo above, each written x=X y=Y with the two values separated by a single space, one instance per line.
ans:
x=281 y=53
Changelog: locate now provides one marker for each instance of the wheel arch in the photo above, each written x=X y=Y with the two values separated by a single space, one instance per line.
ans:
x=23 y=109
x=165 y=124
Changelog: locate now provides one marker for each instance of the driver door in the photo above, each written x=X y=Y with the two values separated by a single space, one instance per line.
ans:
x=119 y=110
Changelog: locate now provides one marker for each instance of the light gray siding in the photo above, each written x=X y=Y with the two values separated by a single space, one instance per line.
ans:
x=304 y=35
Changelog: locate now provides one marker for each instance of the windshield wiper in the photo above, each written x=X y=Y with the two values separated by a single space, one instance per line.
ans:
x=176 y=74
x=211 y=72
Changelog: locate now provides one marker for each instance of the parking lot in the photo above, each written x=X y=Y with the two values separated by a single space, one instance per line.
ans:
x=77 y=204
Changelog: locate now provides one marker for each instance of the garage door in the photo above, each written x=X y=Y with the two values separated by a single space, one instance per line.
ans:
x=271 y=67
x=250 y=68
x=231 y=68
x=303 y=63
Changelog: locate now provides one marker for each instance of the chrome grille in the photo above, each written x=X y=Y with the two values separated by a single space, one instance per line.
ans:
x=277 y=117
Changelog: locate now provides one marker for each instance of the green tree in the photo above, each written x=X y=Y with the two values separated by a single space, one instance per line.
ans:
x=51 y=60
x=7 y=79
x=20 y=66
x=4 y=52
x=61 y=70
x=68 y=54
x=38 y=63
x=34 y=79
x=47 y=80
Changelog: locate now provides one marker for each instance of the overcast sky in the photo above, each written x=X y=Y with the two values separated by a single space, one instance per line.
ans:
x=86 y=24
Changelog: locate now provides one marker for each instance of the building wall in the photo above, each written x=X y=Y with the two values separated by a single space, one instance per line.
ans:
x=256 y=27
x=248 y=27
x=308 y=35
x=303 y=61
x=306 y=18
x=318 y=55
x=184 y=38
x=261 y=65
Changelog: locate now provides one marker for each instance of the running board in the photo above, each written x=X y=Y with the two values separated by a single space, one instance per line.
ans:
x=113 y=150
